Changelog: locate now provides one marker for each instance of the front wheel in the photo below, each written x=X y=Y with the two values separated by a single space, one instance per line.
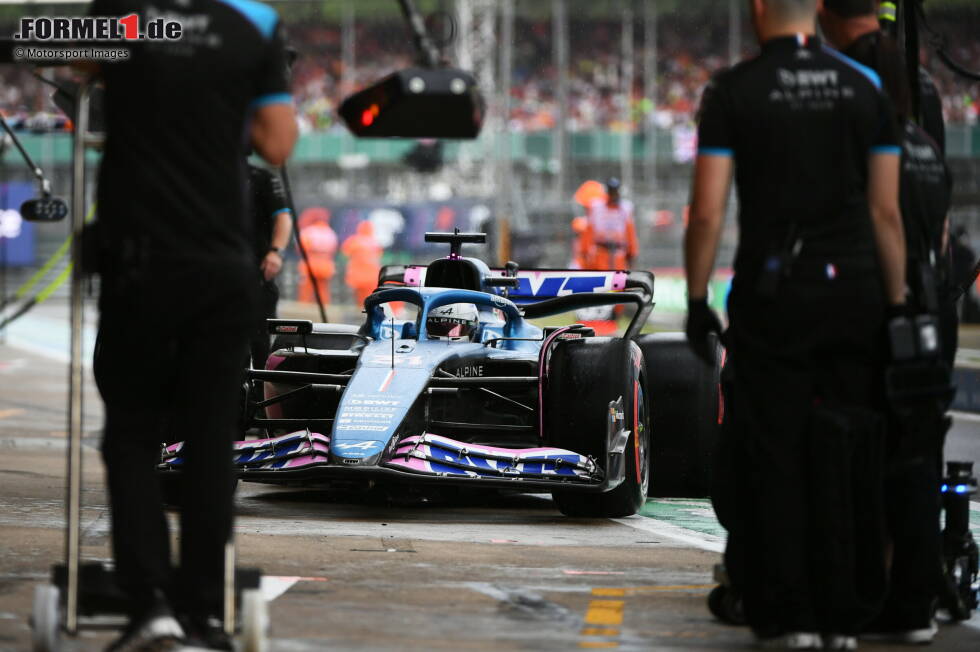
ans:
x=589 y=379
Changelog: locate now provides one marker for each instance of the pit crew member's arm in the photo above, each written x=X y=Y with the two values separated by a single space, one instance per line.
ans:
x=709 y=194
x=884 y=168
x=282 y=225
x=712 y=179
x=273 y=129
x=886 y=219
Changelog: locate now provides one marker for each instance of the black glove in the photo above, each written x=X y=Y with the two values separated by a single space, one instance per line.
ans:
x=701 y=322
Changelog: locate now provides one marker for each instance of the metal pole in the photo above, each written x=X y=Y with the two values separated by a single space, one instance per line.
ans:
x=626 y=144
x=427 y=52
x=650 y=72
x=504 y=191
x=347 y=48
x=74 y=502
x=560 y=27
x=348 y=80
x=299 y=243
x=734 y=31
x=3 y=257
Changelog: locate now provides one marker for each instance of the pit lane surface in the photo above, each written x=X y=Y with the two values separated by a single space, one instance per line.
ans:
x=370 y=571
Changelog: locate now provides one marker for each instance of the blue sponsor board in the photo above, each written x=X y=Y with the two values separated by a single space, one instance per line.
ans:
x=402 y=227
x=16 y=236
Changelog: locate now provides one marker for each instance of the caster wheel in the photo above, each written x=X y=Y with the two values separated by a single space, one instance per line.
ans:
x=725 y=605
x=255 y=622
x=960 y=596
x=45 y=618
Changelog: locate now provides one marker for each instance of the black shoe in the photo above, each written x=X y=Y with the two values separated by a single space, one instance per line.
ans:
x=156 y=630
x=206 y=634
x=903 y=635
x=910 y=627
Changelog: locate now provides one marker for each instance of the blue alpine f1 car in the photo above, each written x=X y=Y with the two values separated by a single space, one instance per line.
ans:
x=465 y=390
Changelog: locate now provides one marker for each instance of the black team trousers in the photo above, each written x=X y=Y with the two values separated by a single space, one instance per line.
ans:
x=799 y=467
x=173 y=335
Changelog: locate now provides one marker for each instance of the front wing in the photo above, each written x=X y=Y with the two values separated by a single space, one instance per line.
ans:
x=305 y=455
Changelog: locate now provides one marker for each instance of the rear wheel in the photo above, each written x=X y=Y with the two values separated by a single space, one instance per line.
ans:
x=685 y=406
x=585 y=377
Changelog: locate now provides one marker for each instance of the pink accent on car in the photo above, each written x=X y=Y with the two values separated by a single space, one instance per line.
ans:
x=273 y=361
x=412 y=464
x=543 y=373
x=259 y=443
x=413 y=276
x=478 y=449
x=274 y=411
x=427 y=453
x=292 y=463
x=619 y=281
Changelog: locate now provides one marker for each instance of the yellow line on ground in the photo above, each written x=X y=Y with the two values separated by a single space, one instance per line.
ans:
x=12 y=412
x=600 y=631
x=632 y=590
x=605 y=612
x=598 y=644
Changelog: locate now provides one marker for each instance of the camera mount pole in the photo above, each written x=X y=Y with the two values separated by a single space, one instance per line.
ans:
x=428 y=52
x=299 y=244
x=76 y=378
x=44 y=184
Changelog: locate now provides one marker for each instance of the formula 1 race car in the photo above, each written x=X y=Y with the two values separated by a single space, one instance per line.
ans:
x=469 y=392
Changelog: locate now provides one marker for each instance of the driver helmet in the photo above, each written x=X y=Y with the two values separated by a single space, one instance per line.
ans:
x=453 y=322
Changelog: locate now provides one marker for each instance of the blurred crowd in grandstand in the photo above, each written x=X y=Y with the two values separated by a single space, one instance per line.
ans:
x=687 y=56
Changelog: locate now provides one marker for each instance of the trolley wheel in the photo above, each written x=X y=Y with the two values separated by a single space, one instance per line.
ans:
x=45 y=618
x=725 y=605
x=255 y=621
x=959 y=590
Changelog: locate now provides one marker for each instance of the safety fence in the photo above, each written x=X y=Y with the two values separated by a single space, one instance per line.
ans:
x=534 y=148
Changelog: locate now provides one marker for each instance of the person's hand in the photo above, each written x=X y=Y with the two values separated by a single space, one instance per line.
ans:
x=271 y=265
x=701 y=322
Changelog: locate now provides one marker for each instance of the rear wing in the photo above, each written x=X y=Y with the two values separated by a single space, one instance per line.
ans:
x=535 y=285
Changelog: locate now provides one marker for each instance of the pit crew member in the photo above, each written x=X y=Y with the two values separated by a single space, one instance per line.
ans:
x=178 y=294
x=272 y=228
x=915 y=439
x=812 y=143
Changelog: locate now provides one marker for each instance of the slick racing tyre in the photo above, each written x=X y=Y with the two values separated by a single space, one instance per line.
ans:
x=584 y=377
x=685 y=409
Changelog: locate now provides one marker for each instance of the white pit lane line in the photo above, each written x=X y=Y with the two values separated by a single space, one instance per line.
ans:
x=670 y=531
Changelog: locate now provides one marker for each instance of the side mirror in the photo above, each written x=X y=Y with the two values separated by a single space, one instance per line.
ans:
x=417 y=103
x=44 y=209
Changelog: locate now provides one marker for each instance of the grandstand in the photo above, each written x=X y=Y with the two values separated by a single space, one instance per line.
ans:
x=577 y=89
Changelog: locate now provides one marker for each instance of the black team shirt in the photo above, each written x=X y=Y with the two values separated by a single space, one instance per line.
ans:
x=866 y=49
x=268 y=199
x=172 y=181
x=800 y=121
